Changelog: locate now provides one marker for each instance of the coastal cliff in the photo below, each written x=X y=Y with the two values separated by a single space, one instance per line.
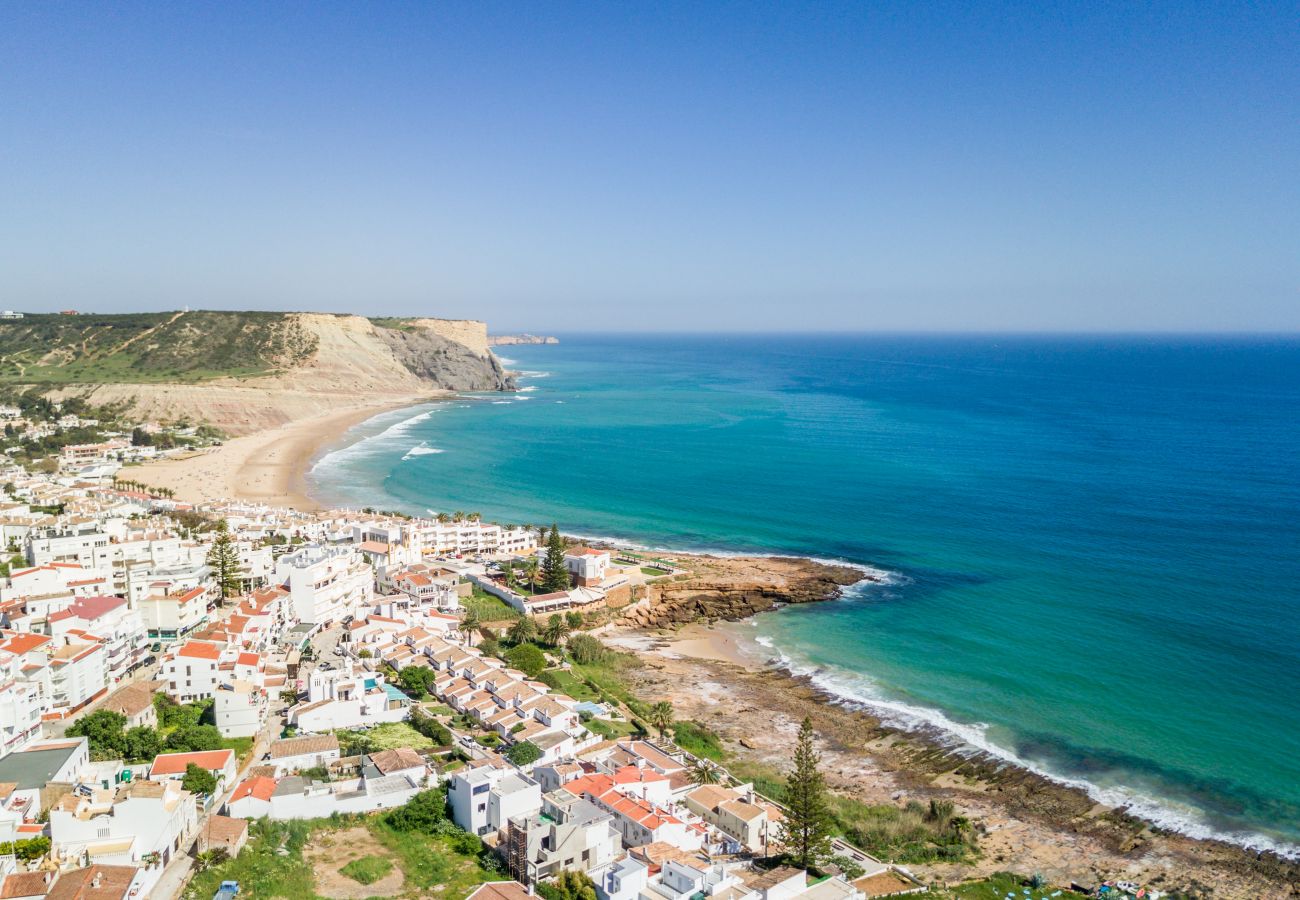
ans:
x=506 y=340
x=245 y=372
x=732 y=588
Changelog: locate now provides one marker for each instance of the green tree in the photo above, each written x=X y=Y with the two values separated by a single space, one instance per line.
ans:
x=210 y=858
x=806 y=830
x=223 y=559
x=587 y=650
x=142 y=743
x=194 y=738
x=556 y=630
x=198 y=780
x=527 y=658
x=574 y=618
x=555 y=576
x=661 y=716
x=416 y=680
x=470 y=622
x=570 y=884
x=522 y=631
x=423 y=812
x=524 y=753
x=106 y=732
x=532 y=572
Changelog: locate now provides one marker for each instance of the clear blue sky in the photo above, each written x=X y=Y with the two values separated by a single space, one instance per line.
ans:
x=552 y=166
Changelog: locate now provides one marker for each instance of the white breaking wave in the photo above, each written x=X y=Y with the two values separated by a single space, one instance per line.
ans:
x=525 y=390
x=502 y=402
x=507 y=362
x=527 y=374
x=421 y=449
x=859 y=690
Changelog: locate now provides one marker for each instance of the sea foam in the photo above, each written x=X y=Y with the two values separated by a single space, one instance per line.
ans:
x=858 y=690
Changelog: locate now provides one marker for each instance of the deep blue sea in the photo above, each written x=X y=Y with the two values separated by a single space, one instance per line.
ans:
x=1092 y=544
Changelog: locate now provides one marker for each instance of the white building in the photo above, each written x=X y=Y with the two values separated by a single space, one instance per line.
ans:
x=170 y=615
x=342 y=698
x=325 y=583
x=77 y=676
x=139 y=823
x=192 y=671
x=114 y=623
x=587 y=567
x=305 y=752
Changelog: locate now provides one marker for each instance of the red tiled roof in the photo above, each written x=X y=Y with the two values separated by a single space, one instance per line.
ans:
x=199 y=650
x=259 y=786
x=24 y=643
x=90 y=608
x=175 y=763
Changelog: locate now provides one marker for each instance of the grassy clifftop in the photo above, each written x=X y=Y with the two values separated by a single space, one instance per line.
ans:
x=150 y=347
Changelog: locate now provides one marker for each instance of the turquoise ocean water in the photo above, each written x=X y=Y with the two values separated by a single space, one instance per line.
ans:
x=1092 y=544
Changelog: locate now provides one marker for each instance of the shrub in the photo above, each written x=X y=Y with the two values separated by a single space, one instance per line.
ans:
x=523 y=753
x=423 y=812
x=527 y=658
x=697 y=740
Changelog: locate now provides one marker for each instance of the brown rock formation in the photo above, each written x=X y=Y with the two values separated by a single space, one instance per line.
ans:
x=731 y=588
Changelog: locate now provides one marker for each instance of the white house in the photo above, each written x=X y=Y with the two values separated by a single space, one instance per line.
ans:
x=114 y=623
x=192 y=671
x=342 y=698
x=171 y=614
x=139 y=823
x=172 y=766
x=304 y=752
x=587 y=567
x=325 y=583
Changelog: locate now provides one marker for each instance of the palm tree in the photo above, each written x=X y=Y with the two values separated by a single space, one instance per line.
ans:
x=470 y=623
x=661 y=716
x=556 y=630
x=532 y=571
x=704 y=772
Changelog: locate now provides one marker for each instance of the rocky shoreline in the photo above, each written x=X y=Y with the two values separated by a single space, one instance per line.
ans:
x=1030 y=823
x=731 y=588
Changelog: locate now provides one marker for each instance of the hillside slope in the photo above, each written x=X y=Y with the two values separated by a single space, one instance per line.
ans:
x=246 y=371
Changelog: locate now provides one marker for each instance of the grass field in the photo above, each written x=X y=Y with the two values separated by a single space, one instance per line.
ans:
x=488 y=607
x=367 y=869
x=565 y=682
x=389 y=736
x=997 y=887
x=309 y=860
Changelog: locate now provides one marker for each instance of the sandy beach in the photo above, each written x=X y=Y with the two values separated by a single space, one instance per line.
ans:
x=265 y=467
x=712 y=675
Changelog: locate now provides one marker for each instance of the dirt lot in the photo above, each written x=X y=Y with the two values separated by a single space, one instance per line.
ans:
x=333 y=850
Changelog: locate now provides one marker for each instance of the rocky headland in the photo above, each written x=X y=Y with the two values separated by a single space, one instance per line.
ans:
x=729 y=588
x=506 y=340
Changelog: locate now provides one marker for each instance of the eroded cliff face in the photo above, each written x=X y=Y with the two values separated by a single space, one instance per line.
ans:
x=432 y=356
x=732 y=588
x=351 y=361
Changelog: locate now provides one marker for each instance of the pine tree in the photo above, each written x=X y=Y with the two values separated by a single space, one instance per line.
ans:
x=223 y=558
x=806 y=830
x=555 y=576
